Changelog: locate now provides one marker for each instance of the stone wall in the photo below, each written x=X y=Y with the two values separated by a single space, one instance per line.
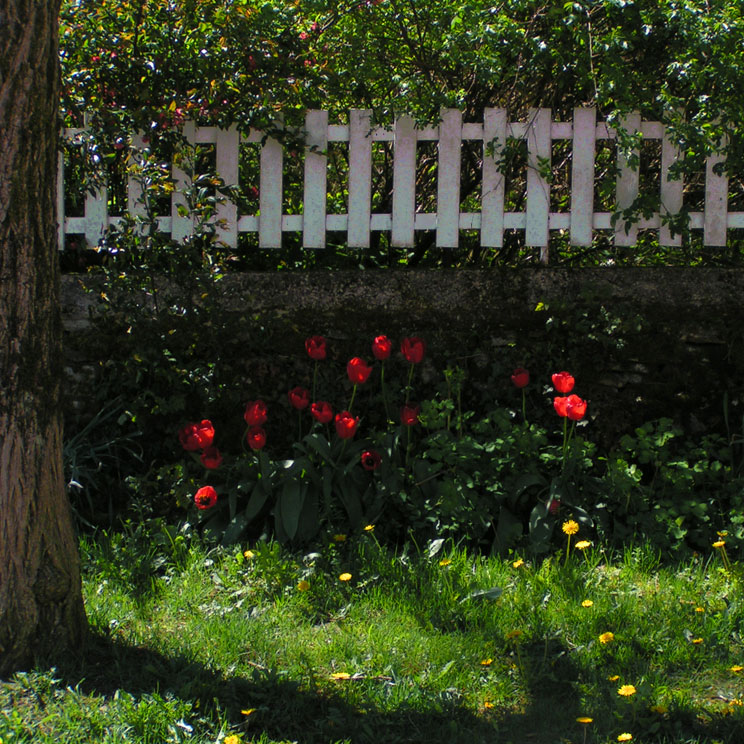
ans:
x=641 y=342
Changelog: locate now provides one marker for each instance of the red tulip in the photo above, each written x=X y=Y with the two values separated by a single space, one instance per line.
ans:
x=409 y=415
x=381 y=347
x=322 y=411
x=196 y=436
x=559 y=403
x=371 y=460
x=205 y=497
x=316 y=347
x=520 y=377
x=299 y=397
x=358 y=371
x=346 y=425
x=575 y=408
x=256 y=438
x=211 y=458
x=255 y=413
x=413 y=349
x=563 y=382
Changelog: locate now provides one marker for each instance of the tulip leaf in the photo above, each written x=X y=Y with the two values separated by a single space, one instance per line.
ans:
x=256 y=502
x=352 y=503
x=318 y=443
x=541 y=528
x=290 y=502
x=234 y=530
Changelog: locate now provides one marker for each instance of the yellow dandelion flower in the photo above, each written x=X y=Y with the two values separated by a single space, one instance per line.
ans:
x=518 y=563
x=736 y=668
x=625 y=737
x=583 y=544
x=488 y=704
x=584 y=719
x=340 y=675
x=486 y=662
x=722 y=533
x=303 y=586
x=232 y=739
x=626 y=690
x=700 y=609
x=339 y=538
x=606 y=637
x=249 y=554
x=719 y=543
x=613 y=677
x=513 y=635
x=345 y=577
x=570 y=527
x=248 y=711
x=445 y=562
x=696 y=641
x=369 y=528
x=587 y=603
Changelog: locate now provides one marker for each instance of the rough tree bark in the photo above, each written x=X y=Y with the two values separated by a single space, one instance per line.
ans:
x=41 y=610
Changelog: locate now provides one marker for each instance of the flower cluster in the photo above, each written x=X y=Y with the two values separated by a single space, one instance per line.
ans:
x=200 y=436
x=567 y=406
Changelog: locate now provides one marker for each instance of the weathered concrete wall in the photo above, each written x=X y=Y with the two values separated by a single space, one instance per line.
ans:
x=641 y=342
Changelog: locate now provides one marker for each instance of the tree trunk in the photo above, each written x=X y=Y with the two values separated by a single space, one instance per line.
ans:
x=41 y=609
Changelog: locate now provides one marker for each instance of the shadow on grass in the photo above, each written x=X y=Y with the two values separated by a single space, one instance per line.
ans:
x=284 y=711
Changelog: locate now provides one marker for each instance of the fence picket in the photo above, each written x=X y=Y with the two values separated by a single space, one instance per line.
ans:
x=182 y=225
x=582 y=176
x=538 y=189
x=270 y=195
x=404 y=183
x=716 y=202
x=227 y=159
x=360 y=178
x=672 y=192
x=493 y=181
x=448 y=178
x=536 y=222
x=314 y=200
x=626 y=233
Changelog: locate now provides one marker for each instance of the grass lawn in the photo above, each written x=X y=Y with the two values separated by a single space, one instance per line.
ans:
x=355 y=643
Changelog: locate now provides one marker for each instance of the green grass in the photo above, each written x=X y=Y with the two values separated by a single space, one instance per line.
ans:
x=197 y=645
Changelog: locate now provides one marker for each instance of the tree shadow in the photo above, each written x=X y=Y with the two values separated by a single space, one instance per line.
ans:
x=545 y=712
x=286 y=711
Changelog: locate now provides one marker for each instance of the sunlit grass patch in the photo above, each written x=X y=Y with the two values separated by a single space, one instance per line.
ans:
x=428 y=645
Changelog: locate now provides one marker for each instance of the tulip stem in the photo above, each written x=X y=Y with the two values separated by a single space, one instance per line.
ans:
x=384 y=392
x=315 y=377
x=299 y=425
x=351 y=402
x=410 y=379
x=524 y=406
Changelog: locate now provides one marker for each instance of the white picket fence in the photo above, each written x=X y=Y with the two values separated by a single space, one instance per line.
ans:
x=537 y=221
